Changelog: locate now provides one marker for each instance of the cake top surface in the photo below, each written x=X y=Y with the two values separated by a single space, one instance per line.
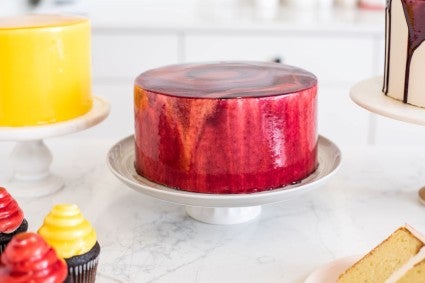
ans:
x=226 y=80
x=39 y=21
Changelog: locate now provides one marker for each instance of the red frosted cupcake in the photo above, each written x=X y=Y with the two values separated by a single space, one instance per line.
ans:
x=28 y=258
x=12 y=219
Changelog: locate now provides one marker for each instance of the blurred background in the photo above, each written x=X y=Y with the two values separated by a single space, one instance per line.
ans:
x=340 y=41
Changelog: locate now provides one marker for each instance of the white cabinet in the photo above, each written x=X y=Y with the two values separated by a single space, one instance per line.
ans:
x=339 y=119
x=122 y=54
x=333 y=58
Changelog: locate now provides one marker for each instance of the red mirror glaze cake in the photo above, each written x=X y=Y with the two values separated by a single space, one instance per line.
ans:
x=226 y=128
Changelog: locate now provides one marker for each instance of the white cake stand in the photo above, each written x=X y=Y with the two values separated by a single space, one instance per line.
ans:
x=219 y=208
x=368 y=95
x=30 y=159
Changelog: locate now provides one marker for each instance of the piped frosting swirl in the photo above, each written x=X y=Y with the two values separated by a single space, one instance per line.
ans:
x=67 y=231
x=11 y=215
x=28 y=258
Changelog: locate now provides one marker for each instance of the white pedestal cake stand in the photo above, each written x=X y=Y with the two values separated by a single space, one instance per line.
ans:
x=368 y=95
x=219 y=208
x=30 y=159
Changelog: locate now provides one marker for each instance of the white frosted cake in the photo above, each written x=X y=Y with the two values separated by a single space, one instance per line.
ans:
x=404 y=52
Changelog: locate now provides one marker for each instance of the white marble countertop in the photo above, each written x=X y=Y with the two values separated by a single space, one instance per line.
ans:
x=148 y=240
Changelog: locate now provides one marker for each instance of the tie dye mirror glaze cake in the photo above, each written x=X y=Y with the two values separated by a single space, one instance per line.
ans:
x=226 y=128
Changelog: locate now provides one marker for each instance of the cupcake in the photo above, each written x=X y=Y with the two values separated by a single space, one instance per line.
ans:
x=74 y=239
x=12 y=219
x=28 y=258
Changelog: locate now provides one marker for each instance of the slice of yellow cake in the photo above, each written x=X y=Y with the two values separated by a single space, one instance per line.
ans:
x=415 y=274
x=399 y=258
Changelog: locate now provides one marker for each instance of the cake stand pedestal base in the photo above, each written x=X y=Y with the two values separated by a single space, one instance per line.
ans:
x=30 y=159
x=35 y=188
x=31 y=177
x=223 y=215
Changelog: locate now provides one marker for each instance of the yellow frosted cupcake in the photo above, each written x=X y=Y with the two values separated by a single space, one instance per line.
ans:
x=74 y=239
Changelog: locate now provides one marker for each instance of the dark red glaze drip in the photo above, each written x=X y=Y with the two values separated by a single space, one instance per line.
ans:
x=11 y=215
x=226 y=80
x=231 y=145
x=388 y=19
x=28 y=258
x=414 y=11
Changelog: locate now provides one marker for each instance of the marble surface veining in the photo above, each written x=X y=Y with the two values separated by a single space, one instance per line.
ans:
x=148 y=240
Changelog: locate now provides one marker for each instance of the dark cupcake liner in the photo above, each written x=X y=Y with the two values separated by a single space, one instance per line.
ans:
x=85 y=273
x=5 y=238
x=83 y=268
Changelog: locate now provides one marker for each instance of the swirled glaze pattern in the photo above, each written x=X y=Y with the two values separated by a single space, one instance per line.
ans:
x=226 y=80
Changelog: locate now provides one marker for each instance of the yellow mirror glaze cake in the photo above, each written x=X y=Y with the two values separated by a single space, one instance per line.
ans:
x=45 y=73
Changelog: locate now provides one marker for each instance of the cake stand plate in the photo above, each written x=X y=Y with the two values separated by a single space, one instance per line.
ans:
x=30 y=159
x=330 y=272
x=368 y=94
x=220 y=208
